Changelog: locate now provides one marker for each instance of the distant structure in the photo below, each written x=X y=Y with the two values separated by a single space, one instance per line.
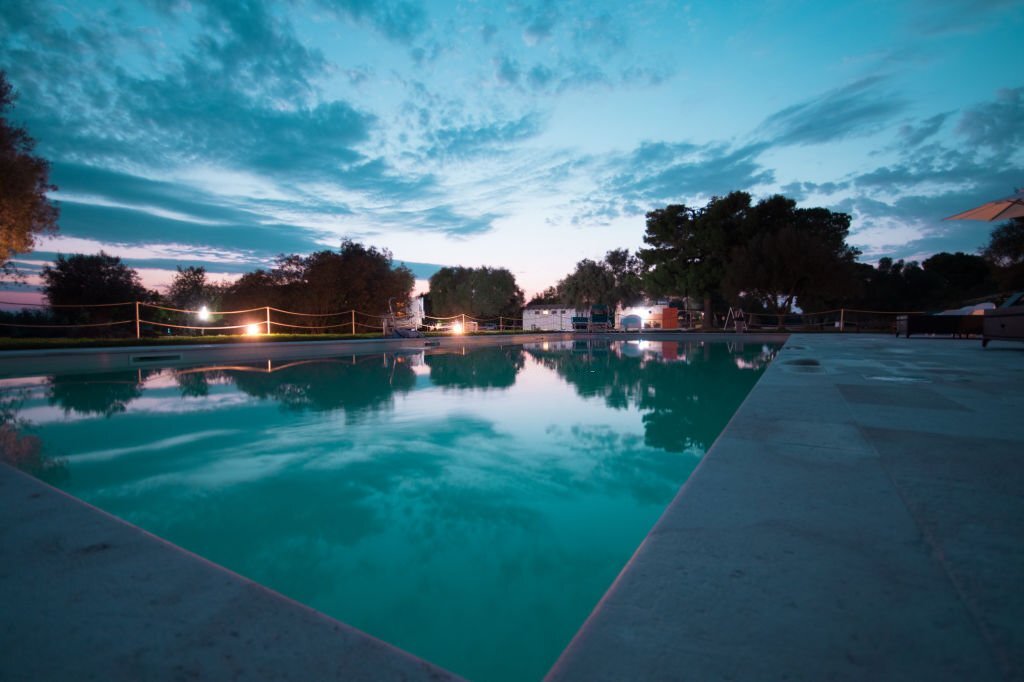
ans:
x=550 y=317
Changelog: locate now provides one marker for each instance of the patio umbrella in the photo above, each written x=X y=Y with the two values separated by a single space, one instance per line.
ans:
x=1000 y=209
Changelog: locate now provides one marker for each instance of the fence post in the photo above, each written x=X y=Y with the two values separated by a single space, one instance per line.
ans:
x=842 y=319
x=353 y=322
x=138 y=330
x=268 y=318
x=464 y=330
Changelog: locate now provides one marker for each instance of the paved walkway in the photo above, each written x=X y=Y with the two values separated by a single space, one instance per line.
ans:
x=861 y=518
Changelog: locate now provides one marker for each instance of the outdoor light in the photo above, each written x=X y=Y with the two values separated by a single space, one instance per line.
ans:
x=457 y=328
x=253 y=330
x=204 y=314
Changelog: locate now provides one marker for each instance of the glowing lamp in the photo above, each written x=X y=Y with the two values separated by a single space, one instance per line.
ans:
x=457 y=328
x=204 y=314
x=253 y=330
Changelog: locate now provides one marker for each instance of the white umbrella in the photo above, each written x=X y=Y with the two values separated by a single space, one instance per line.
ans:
x=1000 y=209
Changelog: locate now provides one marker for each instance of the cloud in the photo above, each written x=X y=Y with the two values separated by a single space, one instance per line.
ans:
x=801 y=190
x=996 y=125
x=399 y=20
x=861 y=108
x=942 y=17
x=659 y=173
x=539 y=21
x=507 y=70
x=443 y=218
x=474 y=138
x=603 y=33
x=912 y=135
x=245 y=48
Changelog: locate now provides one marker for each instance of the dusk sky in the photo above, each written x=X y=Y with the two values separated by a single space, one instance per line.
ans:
x=526 y=135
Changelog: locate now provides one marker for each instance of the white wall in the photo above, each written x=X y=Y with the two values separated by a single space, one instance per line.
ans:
x=553 y=319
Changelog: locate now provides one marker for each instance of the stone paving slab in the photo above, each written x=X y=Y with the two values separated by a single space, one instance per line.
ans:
x=85 y=596
x=861 y=518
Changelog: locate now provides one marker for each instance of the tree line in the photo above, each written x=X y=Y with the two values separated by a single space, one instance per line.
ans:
x=356 y=277
x=772 y=257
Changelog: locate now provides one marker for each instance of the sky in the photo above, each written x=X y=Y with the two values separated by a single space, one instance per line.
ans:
x=526 y=135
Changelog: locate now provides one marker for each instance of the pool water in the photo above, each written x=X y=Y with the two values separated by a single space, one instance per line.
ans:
x=470 y=507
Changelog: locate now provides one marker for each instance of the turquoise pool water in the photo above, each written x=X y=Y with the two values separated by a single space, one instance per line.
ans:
x=470 y=507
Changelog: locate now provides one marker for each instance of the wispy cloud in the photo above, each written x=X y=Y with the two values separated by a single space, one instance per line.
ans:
x=860 y=108
x=400 y=20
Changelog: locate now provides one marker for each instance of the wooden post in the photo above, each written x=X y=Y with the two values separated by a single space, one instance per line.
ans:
x=268 y=319
x=464 y=330
x=138 y=329
x=842 y=318
x=353 y=322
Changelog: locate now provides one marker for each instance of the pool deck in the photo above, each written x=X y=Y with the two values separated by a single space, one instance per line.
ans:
x=860 y=518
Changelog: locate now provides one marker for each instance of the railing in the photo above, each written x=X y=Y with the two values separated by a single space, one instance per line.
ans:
x=837 y=320
x=251 y=321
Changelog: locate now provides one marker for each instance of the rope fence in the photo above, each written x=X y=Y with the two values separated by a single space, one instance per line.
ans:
x=151 y=318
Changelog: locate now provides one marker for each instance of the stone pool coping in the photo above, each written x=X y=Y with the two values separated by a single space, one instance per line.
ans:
x=859 y=518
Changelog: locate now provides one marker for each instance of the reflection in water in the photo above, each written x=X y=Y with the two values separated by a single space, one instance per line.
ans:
x=474 y=528
x=353 y=385
x=105 y=393
x=21 y=449
x=678 y=386
x=483 y=368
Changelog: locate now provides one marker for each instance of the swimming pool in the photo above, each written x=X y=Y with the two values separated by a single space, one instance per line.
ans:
x=470 y=507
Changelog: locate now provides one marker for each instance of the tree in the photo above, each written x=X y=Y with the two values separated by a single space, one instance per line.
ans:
x=772 y=253
x=366 y=277
x=1005 y=251
x=98 y=280
x=616 y=279
x=478 y=292
x=627 y=269
x=79 y=279
x=549 y=295
x=190 y=290
x=689 y=247
x=896 y=286
x=354 y=278
x=25 y=212
x=790 y=254
x=591 y=283
x=959 y=276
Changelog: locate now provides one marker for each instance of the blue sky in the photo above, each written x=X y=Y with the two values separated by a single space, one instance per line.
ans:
x=526 y=135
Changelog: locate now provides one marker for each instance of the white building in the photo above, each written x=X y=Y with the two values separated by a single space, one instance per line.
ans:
x=550 y=317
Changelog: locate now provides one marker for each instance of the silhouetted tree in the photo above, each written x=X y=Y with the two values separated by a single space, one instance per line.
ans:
x=190 y=289
x=549 y=295
x=790 y=255
x=94 y=280
x=772 y=253
x=689 y=247
x=479 y=292
x=958 y=277
x=81 y=279
x=354 y=278
x=616 y=279
x=25 y=212
x=1005 y=251
x=589 y=284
